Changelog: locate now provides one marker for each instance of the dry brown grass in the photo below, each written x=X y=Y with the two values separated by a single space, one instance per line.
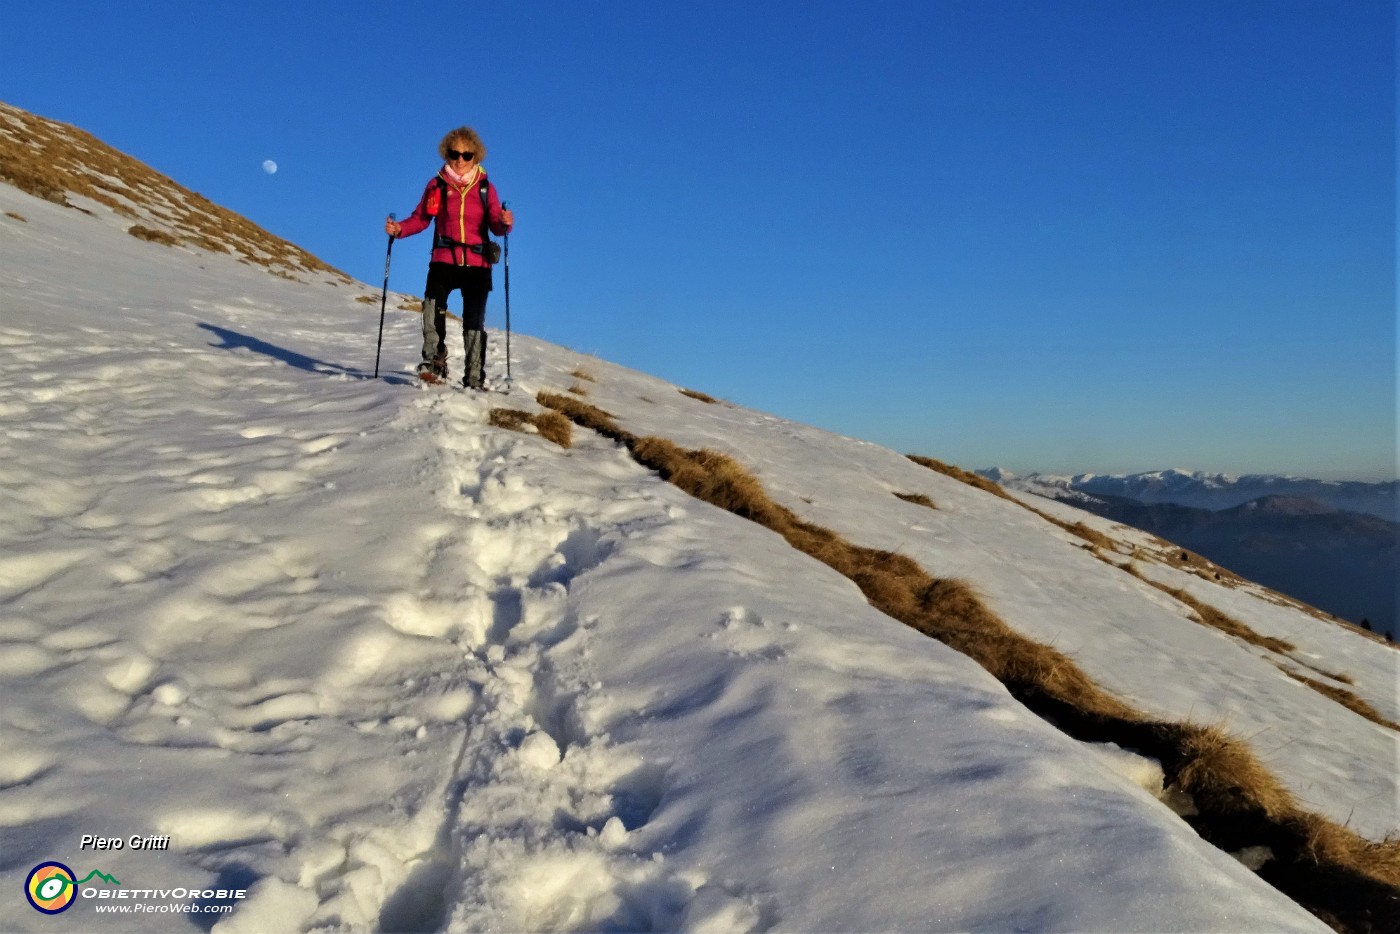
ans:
x=52 y=160
x=1344 y=697
x=1096 y=539
x=1132 y=568
x=696 y=394
x=1210 y=616
x=1184 y=559
x=1224 y=775
x=949 y=610
x=918 y=499
x=510 y=419
x=411 y=304
x=966 y=476
x=153 y=236
x=1335 y=676
x=549 y=425
x=1351 y=883
x=584 y=374
x=1331 y=843
x=583 y=414
x=1348 y=881
x=1226 y=623
x=554 y=427
x=1282 y=599
x=1093 y=536
x=19 y=217
x=366 y=299
x=578 y=389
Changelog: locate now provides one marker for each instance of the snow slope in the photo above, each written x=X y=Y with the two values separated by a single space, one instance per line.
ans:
x=1044 y=583
x=383 y=666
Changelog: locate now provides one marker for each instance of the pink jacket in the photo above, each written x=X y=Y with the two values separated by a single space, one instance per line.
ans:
x=457 y=219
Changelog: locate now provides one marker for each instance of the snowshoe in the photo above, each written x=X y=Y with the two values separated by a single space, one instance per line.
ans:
x=432 y=372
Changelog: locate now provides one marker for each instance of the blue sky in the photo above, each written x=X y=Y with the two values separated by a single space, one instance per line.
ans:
x=1069 y=235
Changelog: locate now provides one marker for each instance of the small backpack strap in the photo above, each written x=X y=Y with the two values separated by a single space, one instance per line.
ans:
x=441 y=239
x=485 y=211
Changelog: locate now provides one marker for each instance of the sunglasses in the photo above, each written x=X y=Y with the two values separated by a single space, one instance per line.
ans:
x=453 y=155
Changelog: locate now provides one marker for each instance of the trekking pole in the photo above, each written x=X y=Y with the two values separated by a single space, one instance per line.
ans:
x=507 y=261
x=383 y=298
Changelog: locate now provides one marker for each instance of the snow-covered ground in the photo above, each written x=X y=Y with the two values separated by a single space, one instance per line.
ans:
x=383 y=666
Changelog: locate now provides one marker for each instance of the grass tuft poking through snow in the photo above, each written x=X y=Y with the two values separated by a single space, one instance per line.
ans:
x=152 y=236
x=1343 y=878
x=1092 y=536
x=1217 y=619
x=582 y=414
x=918 y=499
x=1344 y=697
x=1228 y=624
x=1208 y=615
x=966 y=476
x=550 y=425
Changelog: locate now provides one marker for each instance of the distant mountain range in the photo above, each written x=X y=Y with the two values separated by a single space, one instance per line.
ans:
x=1331 y=544
x=1213 y=491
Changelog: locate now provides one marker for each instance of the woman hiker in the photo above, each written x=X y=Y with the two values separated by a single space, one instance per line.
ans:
x=461 y=205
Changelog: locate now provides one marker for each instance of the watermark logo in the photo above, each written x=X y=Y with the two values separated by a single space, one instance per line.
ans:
x=52 y=887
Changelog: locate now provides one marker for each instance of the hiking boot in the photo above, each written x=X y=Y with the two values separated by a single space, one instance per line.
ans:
x=474 y=364
x=429 y=371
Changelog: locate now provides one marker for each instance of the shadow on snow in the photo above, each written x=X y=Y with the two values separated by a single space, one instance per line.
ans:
x=233 y=340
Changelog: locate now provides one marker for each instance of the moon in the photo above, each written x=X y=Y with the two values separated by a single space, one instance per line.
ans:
x=270 y=167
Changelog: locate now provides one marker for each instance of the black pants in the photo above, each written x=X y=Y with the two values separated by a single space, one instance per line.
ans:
x=474 y=282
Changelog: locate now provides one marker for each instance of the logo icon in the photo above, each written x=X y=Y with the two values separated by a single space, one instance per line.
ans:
x=51 y=887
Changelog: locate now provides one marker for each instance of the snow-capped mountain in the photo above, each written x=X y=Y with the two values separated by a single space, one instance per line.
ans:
x=1213 y=491
x=1344 y=561
x=604 y=653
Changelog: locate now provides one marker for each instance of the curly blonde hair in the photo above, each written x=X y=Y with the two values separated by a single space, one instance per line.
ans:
x=466 y=135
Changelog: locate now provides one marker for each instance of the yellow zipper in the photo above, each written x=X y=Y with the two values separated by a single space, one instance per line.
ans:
x=462 y=225
x=462 y=212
